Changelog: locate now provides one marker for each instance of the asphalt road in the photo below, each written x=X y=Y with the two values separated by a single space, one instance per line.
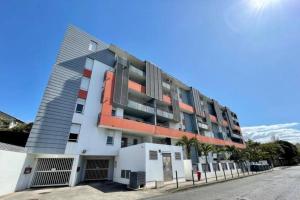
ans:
x=283 y=184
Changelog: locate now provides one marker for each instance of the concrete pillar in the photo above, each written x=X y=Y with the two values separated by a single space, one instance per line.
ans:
x=75 y=175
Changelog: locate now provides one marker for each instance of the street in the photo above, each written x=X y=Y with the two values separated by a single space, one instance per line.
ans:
x=277 y=185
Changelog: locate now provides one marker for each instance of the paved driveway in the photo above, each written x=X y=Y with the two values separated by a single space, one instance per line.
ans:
x=277 y=185
x=92 y=191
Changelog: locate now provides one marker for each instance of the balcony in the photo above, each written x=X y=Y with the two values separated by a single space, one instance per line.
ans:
x=164 y=114
x=136 y=72
x=108 y=121
x=166 y=85
x=185 y=107
x=225 y=123
x=213 y=118
x=140 y=107
x=236 y=136
x=203 y=126
x=235 y=127
x=136 y=87
x=167 y=99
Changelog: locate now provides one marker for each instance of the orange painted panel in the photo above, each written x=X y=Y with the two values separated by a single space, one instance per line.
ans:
x=136 y=87
x=87 y=73
x=82 y=94
x=167 y=99
x=213 y=118
x=225 y=123
x=186 y=107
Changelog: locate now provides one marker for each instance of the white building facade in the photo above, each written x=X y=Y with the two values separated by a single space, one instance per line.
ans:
x=106 y=114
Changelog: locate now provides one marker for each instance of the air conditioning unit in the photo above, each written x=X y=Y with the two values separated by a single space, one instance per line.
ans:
x=137 y=180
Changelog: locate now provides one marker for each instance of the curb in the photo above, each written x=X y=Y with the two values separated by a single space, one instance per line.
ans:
x=211 y=183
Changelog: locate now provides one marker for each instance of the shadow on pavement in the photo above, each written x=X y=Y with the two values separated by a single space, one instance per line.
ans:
x=107 y=186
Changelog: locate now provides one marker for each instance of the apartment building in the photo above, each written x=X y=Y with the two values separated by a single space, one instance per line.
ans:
x=106 y=114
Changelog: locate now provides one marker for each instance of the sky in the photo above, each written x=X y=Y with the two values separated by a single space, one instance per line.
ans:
x=245 y=53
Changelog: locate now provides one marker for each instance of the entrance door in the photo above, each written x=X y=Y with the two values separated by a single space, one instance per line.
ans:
x=96 y=170
x=167 y=167
x=52 y=172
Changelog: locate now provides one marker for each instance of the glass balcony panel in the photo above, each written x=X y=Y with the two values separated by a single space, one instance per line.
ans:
x=141 y=107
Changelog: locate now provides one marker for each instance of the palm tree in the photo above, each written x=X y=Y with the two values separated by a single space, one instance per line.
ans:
x=205 y=149
x=187 y=144
x=218 y=150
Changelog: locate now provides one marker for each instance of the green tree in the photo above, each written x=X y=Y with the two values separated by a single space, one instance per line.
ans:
x=289 y=152
x=219 y=150
x=205 y=149
x=271 y=152
x=187 y=144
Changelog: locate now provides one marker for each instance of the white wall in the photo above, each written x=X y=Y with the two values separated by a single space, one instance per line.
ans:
x=129 y=158
x=12 y=165
x=136 y=158
x=91 y=137
x=188 y=167
x=154 y=168
x=219 y=173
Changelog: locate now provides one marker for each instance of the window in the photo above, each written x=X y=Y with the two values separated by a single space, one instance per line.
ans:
x=135 y=141
x=80 y=105
x=124 y=142
x=153 y=155
x=93 y=46
x=216 y=167
x=84 y=85
x=74 y=131
x=125 y=173
x=75 y=128
x=73 y=137
x=110 y=140
x=206 y=167
x=89 y=63
x=113 y=112
x=177 y=156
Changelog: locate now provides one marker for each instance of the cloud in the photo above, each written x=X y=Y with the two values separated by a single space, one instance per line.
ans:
x=264 y=133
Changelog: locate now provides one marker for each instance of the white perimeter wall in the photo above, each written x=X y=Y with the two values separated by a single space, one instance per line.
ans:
x=12 y=165
x=91 y=137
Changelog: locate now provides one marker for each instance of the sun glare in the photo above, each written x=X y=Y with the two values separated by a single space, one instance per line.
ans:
x=261 y=4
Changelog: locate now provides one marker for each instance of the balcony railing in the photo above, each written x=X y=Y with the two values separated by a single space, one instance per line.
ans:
x=140 y=107
x=203 y=126
x=164 y=114
x=136 y=71
x=236 y=136
x=166 y=85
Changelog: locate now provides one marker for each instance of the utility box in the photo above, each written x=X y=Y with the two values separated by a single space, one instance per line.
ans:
x=137 y=180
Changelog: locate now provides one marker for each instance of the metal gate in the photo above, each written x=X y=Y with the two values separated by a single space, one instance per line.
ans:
x=52 y=172
x=96 y=170
x=167 y=166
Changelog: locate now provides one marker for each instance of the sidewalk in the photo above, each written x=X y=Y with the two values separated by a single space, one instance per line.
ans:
x=92 y=191
x=212 y=180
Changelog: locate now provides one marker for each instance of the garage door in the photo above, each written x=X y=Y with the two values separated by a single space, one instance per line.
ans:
x=96 y=170
x=52 y=172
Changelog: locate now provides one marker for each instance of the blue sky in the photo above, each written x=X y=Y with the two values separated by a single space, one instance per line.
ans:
x=245 y=57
